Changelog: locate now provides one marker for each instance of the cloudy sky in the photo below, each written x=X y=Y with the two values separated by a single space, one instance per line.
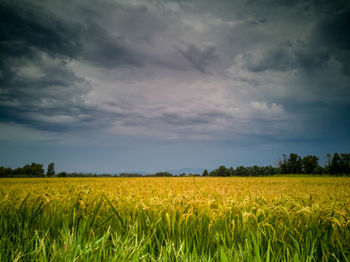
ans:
x=110 y=86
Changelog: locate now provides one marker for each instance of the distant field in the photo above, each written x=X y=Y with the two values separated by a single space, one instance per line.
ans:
x=175 y=219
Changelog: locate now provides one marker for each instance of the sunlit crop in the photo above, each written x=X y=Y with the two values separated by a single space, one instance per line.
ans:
x=175 y=219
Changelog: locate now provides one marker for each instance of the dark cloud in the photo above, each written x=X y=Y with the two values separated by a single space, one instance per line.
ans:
x=37 y=88
x=28 y=26
x=25 y=26
x=268 y=74
x=329 y=38
x=274 y=59
x=332 y=32
x=177 y=119
x=35 y=84
x=102 y=50
x=310 y=58
x=56 y=59
x=301 y=57
x=200 y=57
x=46 y=101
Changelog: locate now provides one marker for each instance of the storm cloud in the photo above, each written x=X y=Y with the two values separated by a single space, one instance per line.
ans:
x=228 y=72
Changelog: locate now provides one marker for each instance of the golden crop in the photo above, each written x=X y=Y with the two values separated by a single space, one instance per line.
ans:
x=258 y=196
x=168 y=218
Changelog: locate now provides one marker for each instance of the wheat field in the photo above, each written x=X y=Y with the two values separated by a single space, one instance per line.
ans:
x=175 y=219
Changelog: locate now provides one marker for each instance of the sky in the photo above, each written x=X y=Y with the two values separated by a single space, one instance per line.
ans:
x=112 y=86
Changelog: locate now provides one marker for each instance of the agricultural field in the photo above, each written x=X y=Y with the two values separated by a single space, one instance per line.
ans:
x=175 y=219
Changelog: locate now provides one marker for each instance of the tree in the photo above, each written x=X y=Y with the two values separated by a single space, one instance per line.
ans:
x=222 y=171
x=62 y=174
x=50 y=170
x=5 y=171
x=336 y=165
x=163 y=174
x=241 y=171
x=345 y=162
x=283 y=165
x=319 y=170
x=231 y=171
x=205 y=172
x=37 y=170
x=310 y=163
x=33 y=170
x=294 y=164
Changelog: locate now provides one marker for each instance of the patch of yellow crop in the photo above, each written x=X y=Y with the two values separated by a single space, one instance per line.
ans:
x=256 y=198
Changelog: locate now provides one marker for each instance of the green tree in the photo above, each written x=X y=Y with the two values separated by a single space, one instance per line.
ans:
x=336 y=165
x=5 y=171
x=163 y=174
x=309 y=163
x=37 y=170
x=62 y=174
x=241 y=171
x=205 y=172
x=320 y=170
x=284 y=165
x=33 y=170
x=294 y=164
x=345 y=162
x=222 y=171
x=50 y=170
x=231 y=171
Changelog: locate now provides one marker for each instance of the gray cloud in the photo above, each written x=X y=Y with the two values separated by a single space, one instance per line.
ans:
x=332 y=32
x=130 y=84
x=38 y=88
x=280 y=35
x=53 y=100
x=200 y=57
x=277 y=58
x=25 y=26
x=173 y=68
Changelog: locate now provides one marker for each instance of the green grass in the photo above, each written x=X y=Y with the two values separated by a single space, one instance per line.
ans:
x=36 y=232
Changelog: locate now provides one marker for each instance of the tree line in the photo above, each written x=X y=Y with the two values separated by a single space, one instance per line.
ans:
x=243 y=171
x=33 y=170
x=337 y=164
x=37 y=170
